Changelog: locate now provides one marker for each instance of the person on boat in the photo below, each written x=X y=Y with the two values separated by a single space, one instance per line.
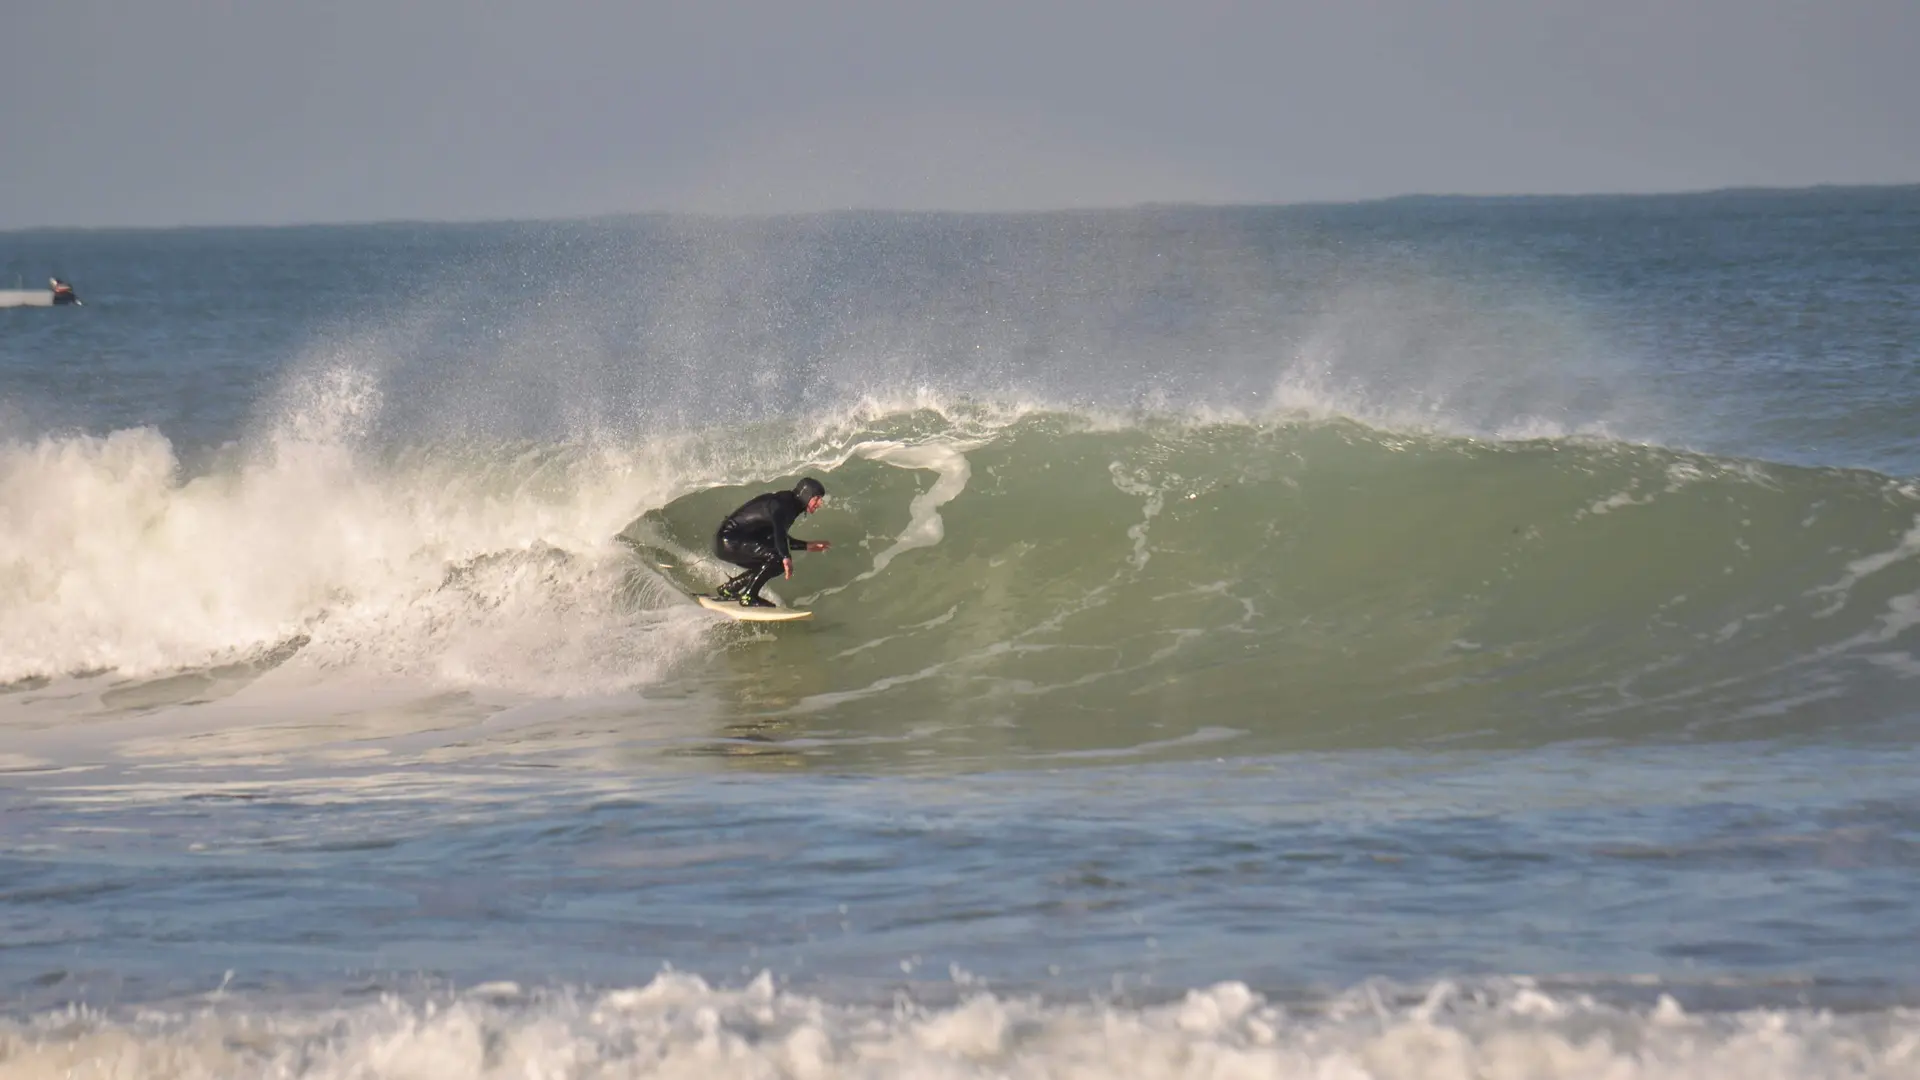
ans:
x=755 y=537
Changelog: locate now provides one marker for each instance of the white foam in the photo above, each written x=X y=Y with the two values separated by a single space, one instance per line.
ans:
x=484 y=567
x=925 y=527
x=1866 y=566
x=679 y=1026
x=1153 y=500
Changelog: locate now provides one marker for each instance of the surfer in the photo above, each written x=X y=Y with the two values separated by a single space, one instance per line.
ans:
x=755 y=536
x=62 y=292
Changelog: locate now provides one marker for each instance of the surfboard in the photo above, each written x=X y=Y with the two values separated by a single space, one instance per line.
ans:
x=753 y=614
x=671 y=568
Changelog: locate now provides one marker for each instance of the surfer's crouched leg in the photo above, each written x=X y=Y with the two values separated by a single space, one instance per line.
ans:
x=732 y=589
x=757 y=556
x=749 y=594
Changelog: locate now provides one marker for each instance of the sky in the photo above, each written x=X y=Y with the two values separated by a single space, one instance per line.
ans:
x=173 y=112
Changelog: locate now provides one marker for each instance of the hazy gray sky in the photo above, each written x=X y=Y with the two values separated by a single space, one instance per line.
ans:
x=160 y=112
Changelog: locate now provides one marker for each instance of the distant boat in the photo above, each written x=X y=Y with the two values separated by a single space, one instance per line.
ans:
x=58 y=293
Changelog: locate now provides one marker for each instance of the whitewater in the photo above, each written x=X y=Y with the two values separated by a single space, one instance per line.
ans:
x=1425 y=638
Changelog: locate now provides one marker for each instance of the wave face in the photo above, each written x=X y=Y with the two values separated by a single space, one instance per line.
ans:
x=1069 y=582
x=1315 y=583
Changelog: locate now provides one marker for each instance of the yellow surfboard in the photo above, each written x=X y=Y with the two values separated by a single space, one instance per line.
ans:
x=733 y=610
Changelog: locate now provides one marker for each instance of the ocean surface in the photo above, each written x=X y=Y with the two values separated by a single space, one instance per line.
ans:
x=1425 y=638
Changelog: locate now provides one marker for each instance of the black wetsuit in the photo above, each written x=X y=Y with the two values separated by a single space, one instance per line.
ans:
x=755 y=537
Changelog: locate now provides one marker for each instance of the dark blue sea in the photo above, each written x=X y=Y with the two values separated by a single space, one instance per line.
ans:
x=1424 y=638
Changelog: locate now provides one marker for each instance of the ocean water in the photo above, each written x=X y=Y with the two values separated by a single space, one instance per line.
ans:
x=1427 y=638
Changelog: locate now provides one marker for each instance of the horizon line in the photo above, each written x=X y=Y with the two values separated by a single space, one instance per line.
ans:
x=1148 y=204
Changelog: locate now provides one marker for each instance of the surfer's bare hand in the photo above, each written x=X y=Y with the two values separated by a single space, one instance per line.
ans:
x=820 y=545
x=788 y=563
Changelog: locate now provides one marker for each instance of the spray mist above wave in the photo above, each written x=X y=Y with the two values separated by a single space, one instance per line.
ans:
x=678 y=324
x=1432 y=354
